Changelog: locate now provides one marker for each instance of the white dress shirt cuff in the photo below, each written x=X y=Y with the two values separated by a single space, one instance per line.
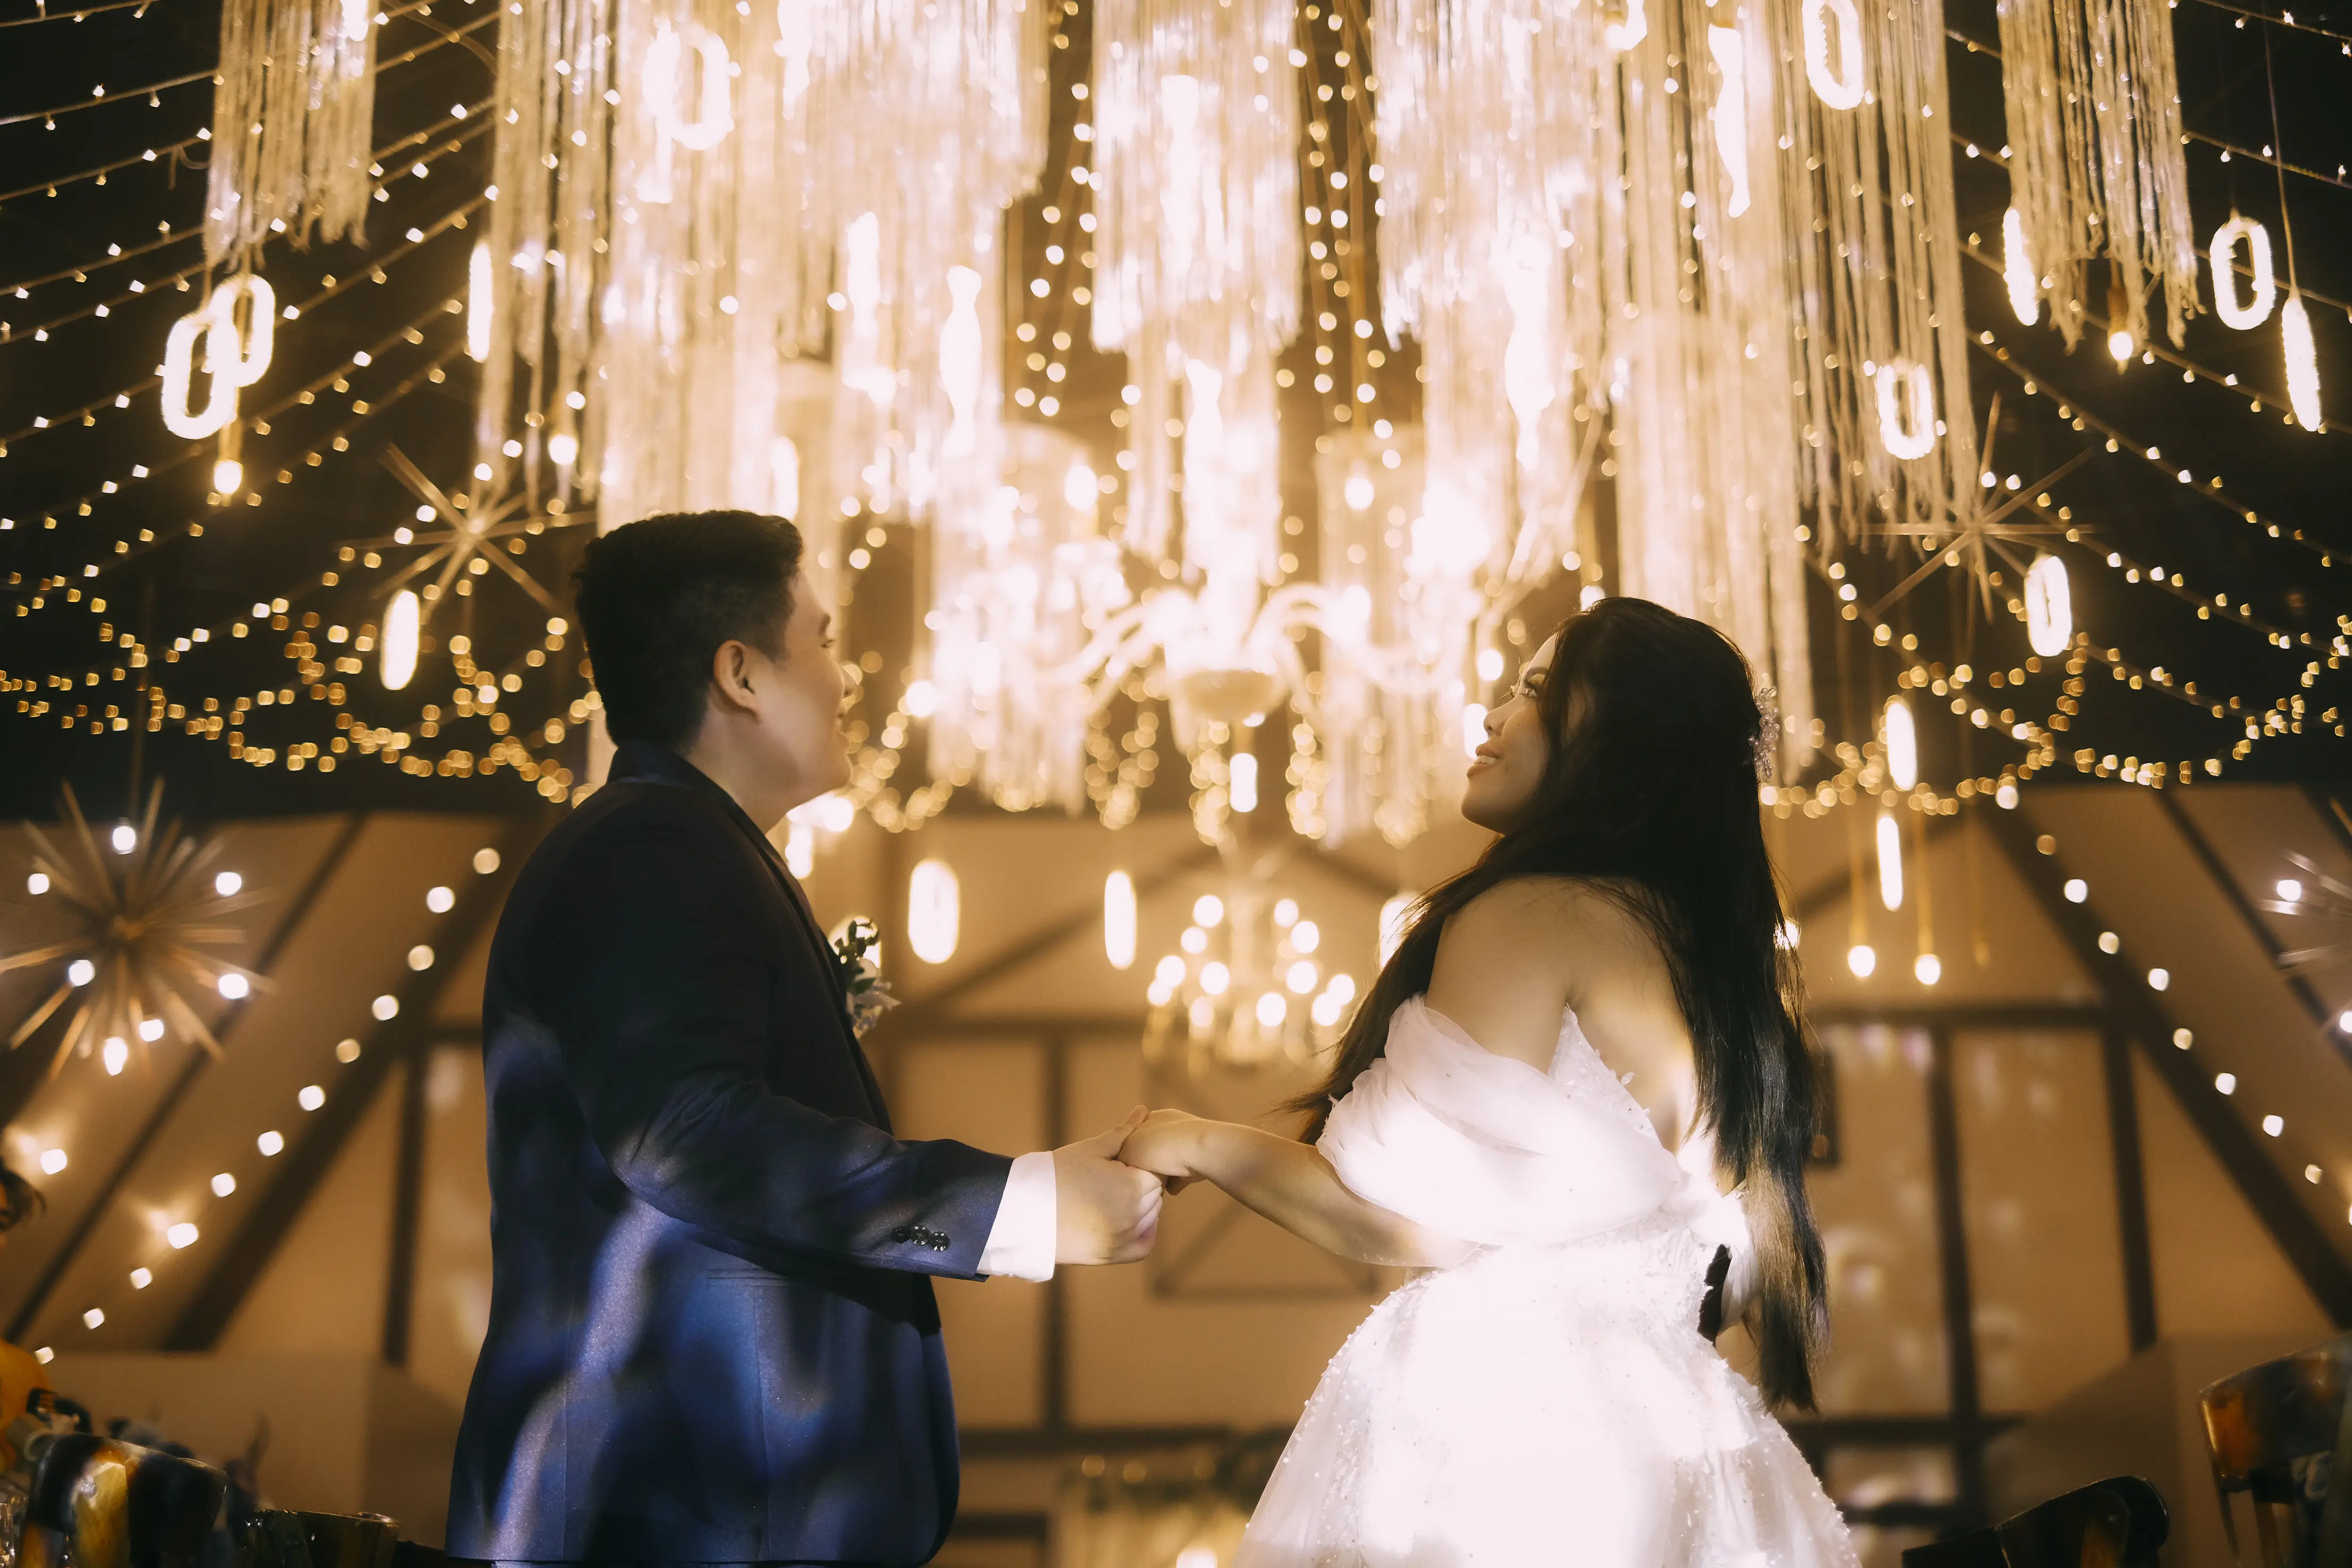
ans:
x=1021 y=1242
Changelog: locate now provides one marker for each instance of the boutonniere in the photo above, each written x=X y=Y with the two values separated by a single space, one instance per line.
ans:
x=855 y=942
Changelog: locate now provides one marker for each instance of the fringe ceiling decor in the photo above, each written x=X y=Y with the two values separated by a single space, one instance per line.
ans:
x=293 y=110
x=2096 y=170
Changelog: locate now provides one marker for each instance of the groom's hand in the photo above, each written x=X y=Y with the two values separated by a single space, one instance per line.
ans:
x=1104 y=1212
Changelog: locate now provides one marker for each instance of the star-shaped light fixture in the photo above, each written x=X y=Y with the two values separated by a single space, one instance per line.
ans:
x=130 y=916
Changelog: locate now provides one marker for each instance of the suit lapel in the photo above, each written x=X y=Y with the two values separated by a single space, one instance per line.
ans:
x=830 y=964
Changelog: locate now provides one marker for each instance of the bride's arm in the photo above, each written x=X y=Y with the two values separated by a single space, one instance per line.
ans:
x=1290 y=1184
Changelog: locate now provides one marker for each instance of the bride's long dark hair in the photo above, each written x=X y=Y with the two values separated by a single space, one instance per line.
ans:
x=1651 y=800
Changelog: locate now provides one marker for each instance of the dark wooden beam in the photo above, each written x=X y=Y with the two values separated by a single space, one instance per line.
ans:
x=2131 y=1186
x=2308 y=1249
x=407 y=1191
x=1952 y=1259
x=1964 y=1015
x=101 y=1202
x=306 y=1162
x=2319 y=1011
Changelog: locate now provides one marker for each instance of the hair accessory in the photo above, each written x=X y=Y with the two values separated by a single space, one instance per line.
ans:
x=1766 y=740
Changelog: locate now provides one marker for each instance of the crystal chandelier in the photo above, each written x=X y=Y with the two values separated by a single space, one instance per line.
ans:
x=1247 y=987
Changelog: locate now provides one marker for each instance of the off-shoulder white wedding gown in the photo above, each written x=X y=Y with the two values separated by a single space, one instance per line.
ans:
x=1548 y=1401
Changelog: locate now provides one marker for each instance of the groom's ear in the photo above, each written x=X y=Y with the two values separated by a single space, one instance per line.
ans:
x=733 y=673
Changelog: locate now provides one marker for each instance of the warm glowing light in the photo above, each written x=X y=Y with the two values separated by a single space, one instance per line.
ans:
x=2290 y=891
x=960 y=368
x=228 y=884
x=1590 y=594
x=1861 y=959
x=2226 y=1082
x=402 y=625
x=1244 y=788
x=1306 y=936
x=235 y=986
x=2049 y=607
x=1907 y=410
x=2159 y=980
x=94 y=1318
x=2077 y=891
x=1473 y=728
x=1358 y=491
x=116 y=1055
x=37 y=883
x=1490 y=664
x=934 y=911
x=564 y=448
x=2120 y=345
x=922 y=699
x=440 y=900
x=1900 y=736
x=2017 y=269
x=1272 y=1009
x=1215 y=977
x=224 y=1184
x=1729 y=114
x=1928 y=969
x=80 y=972
x=665 y=87
x=420 y=958
x=481 y=290
x=272 y=1143
x=2254 y=309
x=182 y=1236
x=1840 y=87
x=1208 y=910
x=234 y=357
x=1628 y=29
x=2005 y=796
x=151 y=1029
x=1890 y=860
x=2302 y=362
x=347 y=1051
x=1327 y=1011
x=2274 y=1125
x=1118 y=920
x=311 y=1097
x=486 y=861
x=125 y=838
x=142 y=1278
x=228 y=476
x=52 y=1162
x=1081 y=486
x=1301 y=978
x=1394 y=914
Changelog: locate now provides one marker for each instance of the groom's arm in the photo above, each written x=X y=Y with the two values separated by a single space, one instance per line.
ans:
x=655 y=972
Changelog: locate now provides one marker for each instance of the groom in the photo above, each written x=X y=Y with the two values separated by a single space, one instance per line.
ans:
x=712 y=1338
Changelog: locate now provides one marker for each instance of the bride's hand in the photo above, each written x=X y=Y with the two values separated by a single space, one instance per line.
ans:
x=1168 y=1144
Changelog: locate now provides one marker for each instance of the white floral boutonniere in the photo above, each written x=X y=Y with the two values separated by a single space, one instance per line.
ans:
x=855 y=944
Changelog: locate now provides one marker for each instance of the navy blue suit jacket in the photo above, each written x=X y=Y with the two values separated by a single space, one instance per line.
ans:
x=711 y=1336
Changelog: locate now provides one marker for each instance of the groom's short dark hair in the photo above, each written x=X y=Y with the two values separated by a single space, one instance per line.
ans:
x=656 y=598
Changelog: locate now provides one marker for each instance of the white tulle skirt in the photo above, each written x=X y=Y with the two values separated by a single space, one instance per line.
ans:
x=1544 y=1405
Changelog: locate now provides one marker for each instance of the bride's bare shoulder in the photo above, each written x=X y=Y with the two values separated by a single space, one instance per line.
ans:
x=1546 y=914
x=1509 y=959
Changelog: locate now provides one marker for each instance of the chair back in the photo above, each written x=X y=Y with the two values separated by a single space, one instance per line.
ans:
x=283 y=1538
x=2279 y=1433
x=2118 y=1523
x=111 y=1504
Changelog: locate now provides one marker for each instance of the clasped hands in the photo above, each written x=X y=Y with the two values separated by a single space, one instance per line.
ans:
x=1109 y=1188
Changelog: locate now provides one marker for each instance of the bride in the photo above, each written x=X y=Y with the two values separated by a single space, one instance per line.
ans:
x=1580 y=1101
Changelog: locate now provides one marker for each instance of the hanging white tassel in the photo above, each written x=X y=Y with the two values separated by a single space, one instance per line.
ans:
x=2096 y=166
x=2302 y=362
x=1879 y=281
x=292 y=111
